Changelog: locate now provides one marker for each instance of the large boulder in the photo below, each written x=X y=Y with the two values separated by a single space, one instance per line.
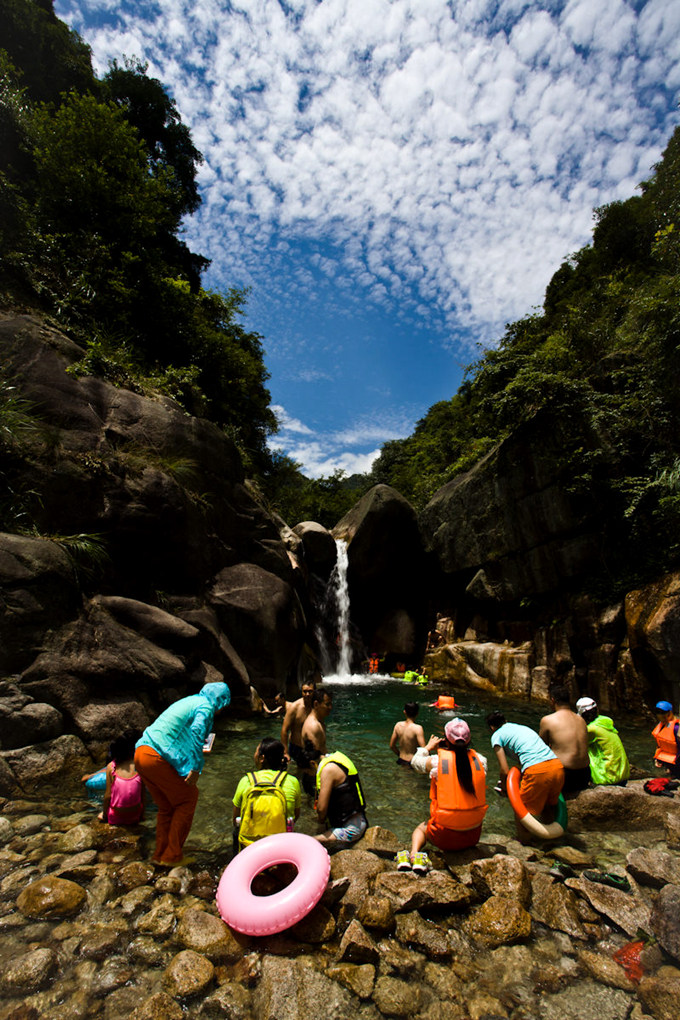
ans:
x=653 y=622
x=38 y=590
x=510 y=528
x=387 y=572
x=318 y=545
x=264 y=619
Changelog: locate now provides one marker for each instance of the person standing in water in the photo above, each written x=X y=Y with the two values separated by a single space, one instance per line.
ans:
x=407 y=735
x=294 y=718
x=609 y=764
x=169 y=758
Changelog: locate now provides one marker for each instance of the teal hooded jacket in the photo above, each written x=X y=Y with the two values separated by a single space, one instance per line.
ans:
x=179 y=733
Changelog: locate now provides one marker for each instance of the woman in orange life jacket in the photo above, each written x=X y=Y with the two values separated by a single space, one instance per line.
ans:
x=457 y=796
x=667 y=736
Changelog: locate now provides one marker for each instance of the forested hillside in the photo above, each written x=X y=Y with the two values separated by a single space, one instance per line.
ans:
x=96 y=177
x=604 y=350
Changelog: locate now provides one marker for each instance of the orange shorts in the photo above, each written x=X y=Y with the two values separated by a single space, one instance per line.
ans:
x=541 y=785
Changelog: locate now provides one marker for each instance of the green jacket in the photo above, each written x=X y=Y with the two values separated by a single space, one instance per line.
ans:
x=608 y=760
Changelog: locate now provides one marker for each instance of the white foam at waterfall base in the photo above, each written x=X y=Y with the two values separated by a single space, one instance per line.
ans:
x=357 y=679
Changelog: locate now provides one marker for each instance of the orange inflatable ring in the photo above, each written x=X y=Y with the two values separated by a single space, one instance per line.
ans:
x=551 y=831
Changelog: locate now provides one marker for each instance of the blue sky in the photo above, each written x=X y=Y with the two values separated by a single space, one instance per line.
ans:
x=396 y=179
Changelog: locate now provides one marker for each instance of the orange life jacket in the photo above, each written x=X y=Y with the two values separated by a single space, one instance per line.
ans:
x=667 y=749
x=452 y=807
x=445 y=701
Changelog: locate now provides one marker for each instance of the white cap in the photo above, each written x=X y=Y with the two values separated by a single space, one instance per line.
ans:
x=584 y=705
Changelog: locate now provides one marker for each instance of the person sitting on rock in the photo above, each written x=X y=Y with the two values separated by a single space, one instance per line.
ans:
x=542 y=771
x=457 y=796
x=609 y=765
x=667 y=736
x=566 y=733
x=340 y=801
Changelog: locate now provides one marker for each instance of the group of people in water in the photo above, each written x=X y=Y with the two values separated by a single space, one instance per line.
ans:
x=571 y=750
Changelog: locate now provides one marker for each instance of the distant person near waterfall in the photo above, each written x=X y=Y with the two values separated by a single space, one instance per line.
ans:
x=407 y=735
x=169 y=758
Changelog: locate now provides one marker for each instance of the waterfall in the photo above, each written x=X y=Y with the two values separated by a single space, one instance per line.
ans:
x=333 y=637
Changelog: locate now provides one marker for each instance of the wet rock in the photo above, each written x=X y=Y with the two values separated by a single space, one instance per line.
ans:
x=434 y=891
x=673 y=831
x=30 y=824
x=146 y=950
x=381 y=842
x=317 y=926
x=134 y=874
x=207 y=934
x=665 y=920
x=426 y=936
x=357 y=946
x=51 y=897
x=188 y=974
x=605 y=970
x=136 y=900
x=585 y=1000
x=618 y=807
x=571 y=855
x=291 y=989
x=499 y=921
x=360 y=867
x=485 y=1007
x=628 y=910
x=11 y=886
x=555 y=906
x=100 y=943
x=502 y=876
x=160 y=920
x=114 y=973
x=79 y=838
x=653 y=867
x=158 y=1007
x=442 y=980
x=203 y=886
x=377 y=913
x=395 y=959
x=30 y=768
x=27 y=973
x=397 y=998
x=660 y=993
x=334 y=892
x=230 y=1001
x=6 y=830
x=358 y=978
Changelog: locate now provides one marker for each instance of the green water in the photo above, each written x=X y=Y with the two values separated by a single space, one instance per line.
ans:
x=364 y=713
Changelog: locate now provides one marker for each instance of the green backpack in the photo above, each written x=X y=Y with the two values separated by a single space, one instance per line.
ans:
x=263 y=809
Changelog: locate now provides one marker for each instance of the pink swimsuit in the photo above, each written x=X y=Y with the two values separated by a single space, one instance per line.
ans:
x=126 y=794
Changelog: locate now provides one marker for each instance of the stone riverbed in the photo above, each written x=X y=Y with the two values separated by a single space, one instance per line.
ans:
x=91 y=929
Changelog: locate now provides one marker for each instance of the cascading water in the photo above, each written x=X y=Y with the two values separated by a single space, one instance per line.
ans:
x=335 y=610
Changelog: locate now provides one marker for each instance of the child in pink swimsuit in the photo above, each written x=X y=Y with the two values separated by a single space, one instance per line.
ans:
x=124 y=794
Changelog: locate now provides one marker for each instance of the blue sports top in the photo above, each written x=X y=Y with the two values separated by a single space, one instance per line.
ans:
x=179 y=733
x=523 y=742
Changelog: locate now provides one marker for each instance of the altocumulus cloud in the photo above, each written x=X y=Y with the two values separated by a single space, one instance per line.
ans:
x=442 y=155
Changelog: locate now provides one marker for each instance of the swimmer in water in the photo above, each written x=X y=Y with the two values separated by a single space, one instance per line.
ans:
x=407 y=735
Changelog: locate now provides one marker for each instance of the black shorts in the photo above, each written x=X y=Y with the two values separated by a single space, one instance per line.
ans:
x=576 y=779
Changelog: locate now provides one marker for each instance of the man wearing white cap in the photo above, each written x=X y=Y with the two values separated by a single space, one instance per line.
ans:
x=457 y=796
x=609 y=764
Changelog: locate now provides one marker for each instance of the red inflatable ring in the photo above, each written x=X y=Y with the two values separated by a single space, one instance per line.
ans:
x=267 y=915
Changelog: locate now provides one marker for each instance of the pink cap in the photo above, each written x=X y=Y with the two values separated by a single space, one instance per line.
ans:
x=457 y=731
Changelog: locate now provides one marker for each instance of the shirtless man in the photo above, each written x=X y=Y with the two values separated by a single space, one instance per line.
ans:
x=566 y=733
x=314 y=726
x=294 y=718
x=407 y=735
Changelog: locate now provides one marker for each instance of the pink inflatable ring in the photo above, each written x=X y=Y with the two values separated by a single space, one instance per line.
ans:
x=267 y=915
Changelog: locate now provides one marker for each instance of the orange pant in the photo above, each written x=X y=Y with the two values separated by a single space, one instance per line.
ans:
x=176 y=801
x=541 y=785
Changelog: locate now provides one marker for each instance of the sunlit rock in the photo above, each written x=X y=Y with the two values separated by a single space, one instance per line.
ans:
x=359 y=978
x=50 y=897
x=188 y=974
x=357 y=946
x=28 y=972
x=499 y=921
x=397 y=998
x=665 y=921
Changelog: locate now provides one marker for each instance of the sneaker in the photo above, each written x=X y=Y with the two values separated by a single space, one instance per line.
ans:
x=561 y=870
x=421 y=863
x=403 y=860
x=608 y=878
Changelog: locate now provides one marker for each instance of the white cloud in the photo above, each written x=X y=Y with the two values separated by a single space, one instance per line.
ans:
x=450 y=151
